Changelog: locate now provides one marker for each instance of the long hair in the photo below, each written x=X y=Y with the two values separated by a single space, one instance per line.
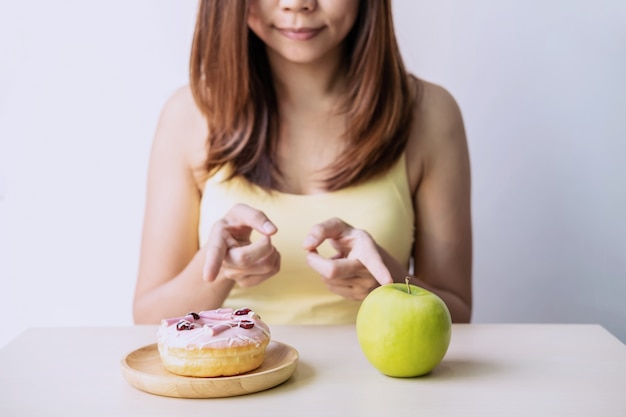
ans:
x=232 y=85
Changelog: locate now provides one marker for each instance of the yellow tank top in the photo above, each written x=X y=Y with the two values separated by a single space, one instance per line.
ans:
x=296 y=295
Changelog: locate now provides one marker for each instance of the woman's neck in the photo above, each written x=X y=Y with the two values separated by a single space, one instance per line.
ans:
x=309 y=85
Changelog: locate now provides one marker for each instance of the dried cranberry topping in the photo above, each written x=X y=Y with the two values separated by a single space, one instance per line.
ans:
x=246 y=324
x=242 y=312
x=184 y=325
x=195 y=316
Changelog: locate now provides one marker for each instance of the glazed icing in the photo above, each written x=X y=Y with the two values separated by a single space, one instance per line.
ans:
x=214 y=329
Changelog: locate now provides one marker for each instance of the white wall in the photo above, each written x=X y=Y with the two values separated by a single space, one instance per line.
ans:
x=541 y=86
x=81 y=87
x=543 y=89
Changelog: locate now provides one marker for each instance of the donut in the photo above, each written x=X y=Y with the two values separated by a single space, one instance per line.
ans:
x=213 y=343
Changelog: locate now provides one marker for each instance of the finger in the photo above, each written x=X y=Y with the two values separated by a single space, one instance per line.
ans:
x=244 y=215
x=333 y=269
x=330 y=229
x=245 y=256
x=215 y=250
x=377 y=268
x=367 y=253
x=232 y=230
x=346 y=277
x=363 y=247
x=342 y=273
x=254 y=274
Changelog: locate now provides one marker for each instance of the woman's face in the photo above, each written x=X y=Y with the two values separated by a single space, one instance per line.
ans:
x=302 y=31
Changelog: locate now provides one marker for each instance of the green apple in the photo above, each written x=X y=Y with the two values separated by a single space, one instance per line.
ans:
x=403 y=330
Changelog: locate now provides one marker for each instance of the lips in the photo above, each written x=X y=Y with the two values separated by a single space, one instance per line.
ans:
x=300 y=34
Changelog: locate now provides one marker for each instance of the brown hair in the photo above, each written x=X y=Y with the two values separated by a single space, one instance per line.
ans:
x=232 y=85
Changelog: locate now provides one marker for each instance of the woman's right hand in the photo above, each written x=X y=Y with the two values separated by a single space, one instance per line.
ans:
x=230 y=254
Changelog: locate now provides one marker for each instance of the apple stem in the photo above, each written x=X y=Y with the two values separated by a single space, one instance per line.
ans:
x=408 y=287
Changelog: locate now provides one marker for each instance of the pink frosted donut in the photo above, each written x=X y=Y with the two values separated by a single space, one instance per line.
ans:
x=220 y=342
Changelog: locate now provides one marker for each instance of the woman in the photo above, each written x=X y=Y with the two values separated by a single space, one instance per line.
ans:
x=302 y=168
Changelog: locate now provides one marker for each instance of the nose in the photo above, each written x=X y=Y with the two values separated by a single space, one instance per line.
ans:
x=298 y=5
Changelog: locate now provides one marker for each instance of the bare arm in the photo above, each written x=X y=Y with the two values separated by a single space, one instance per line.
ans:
x=175 y=275
x=169 y=281
x=443 y=239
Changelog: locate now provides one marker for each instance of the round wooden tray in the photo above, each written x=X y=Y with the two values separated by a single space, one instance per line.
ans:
x=143 y=369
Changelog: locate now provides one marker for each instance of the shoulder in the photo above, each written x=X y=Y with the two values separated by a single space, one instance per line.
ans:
x=180 y=108
x=437 y=113
x=182 y=131
x=437 y=128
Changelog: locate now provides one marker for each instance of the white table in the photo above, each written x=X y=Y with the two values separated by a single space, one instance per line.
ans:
x=489 y=370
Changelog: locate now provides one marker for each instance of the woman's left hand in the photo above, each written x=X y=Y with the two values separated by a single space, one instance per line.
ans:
x=356 y=269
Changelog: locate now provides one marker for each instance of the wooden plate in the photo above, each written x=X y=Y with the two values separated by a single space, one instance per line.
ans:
x=144 y=370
